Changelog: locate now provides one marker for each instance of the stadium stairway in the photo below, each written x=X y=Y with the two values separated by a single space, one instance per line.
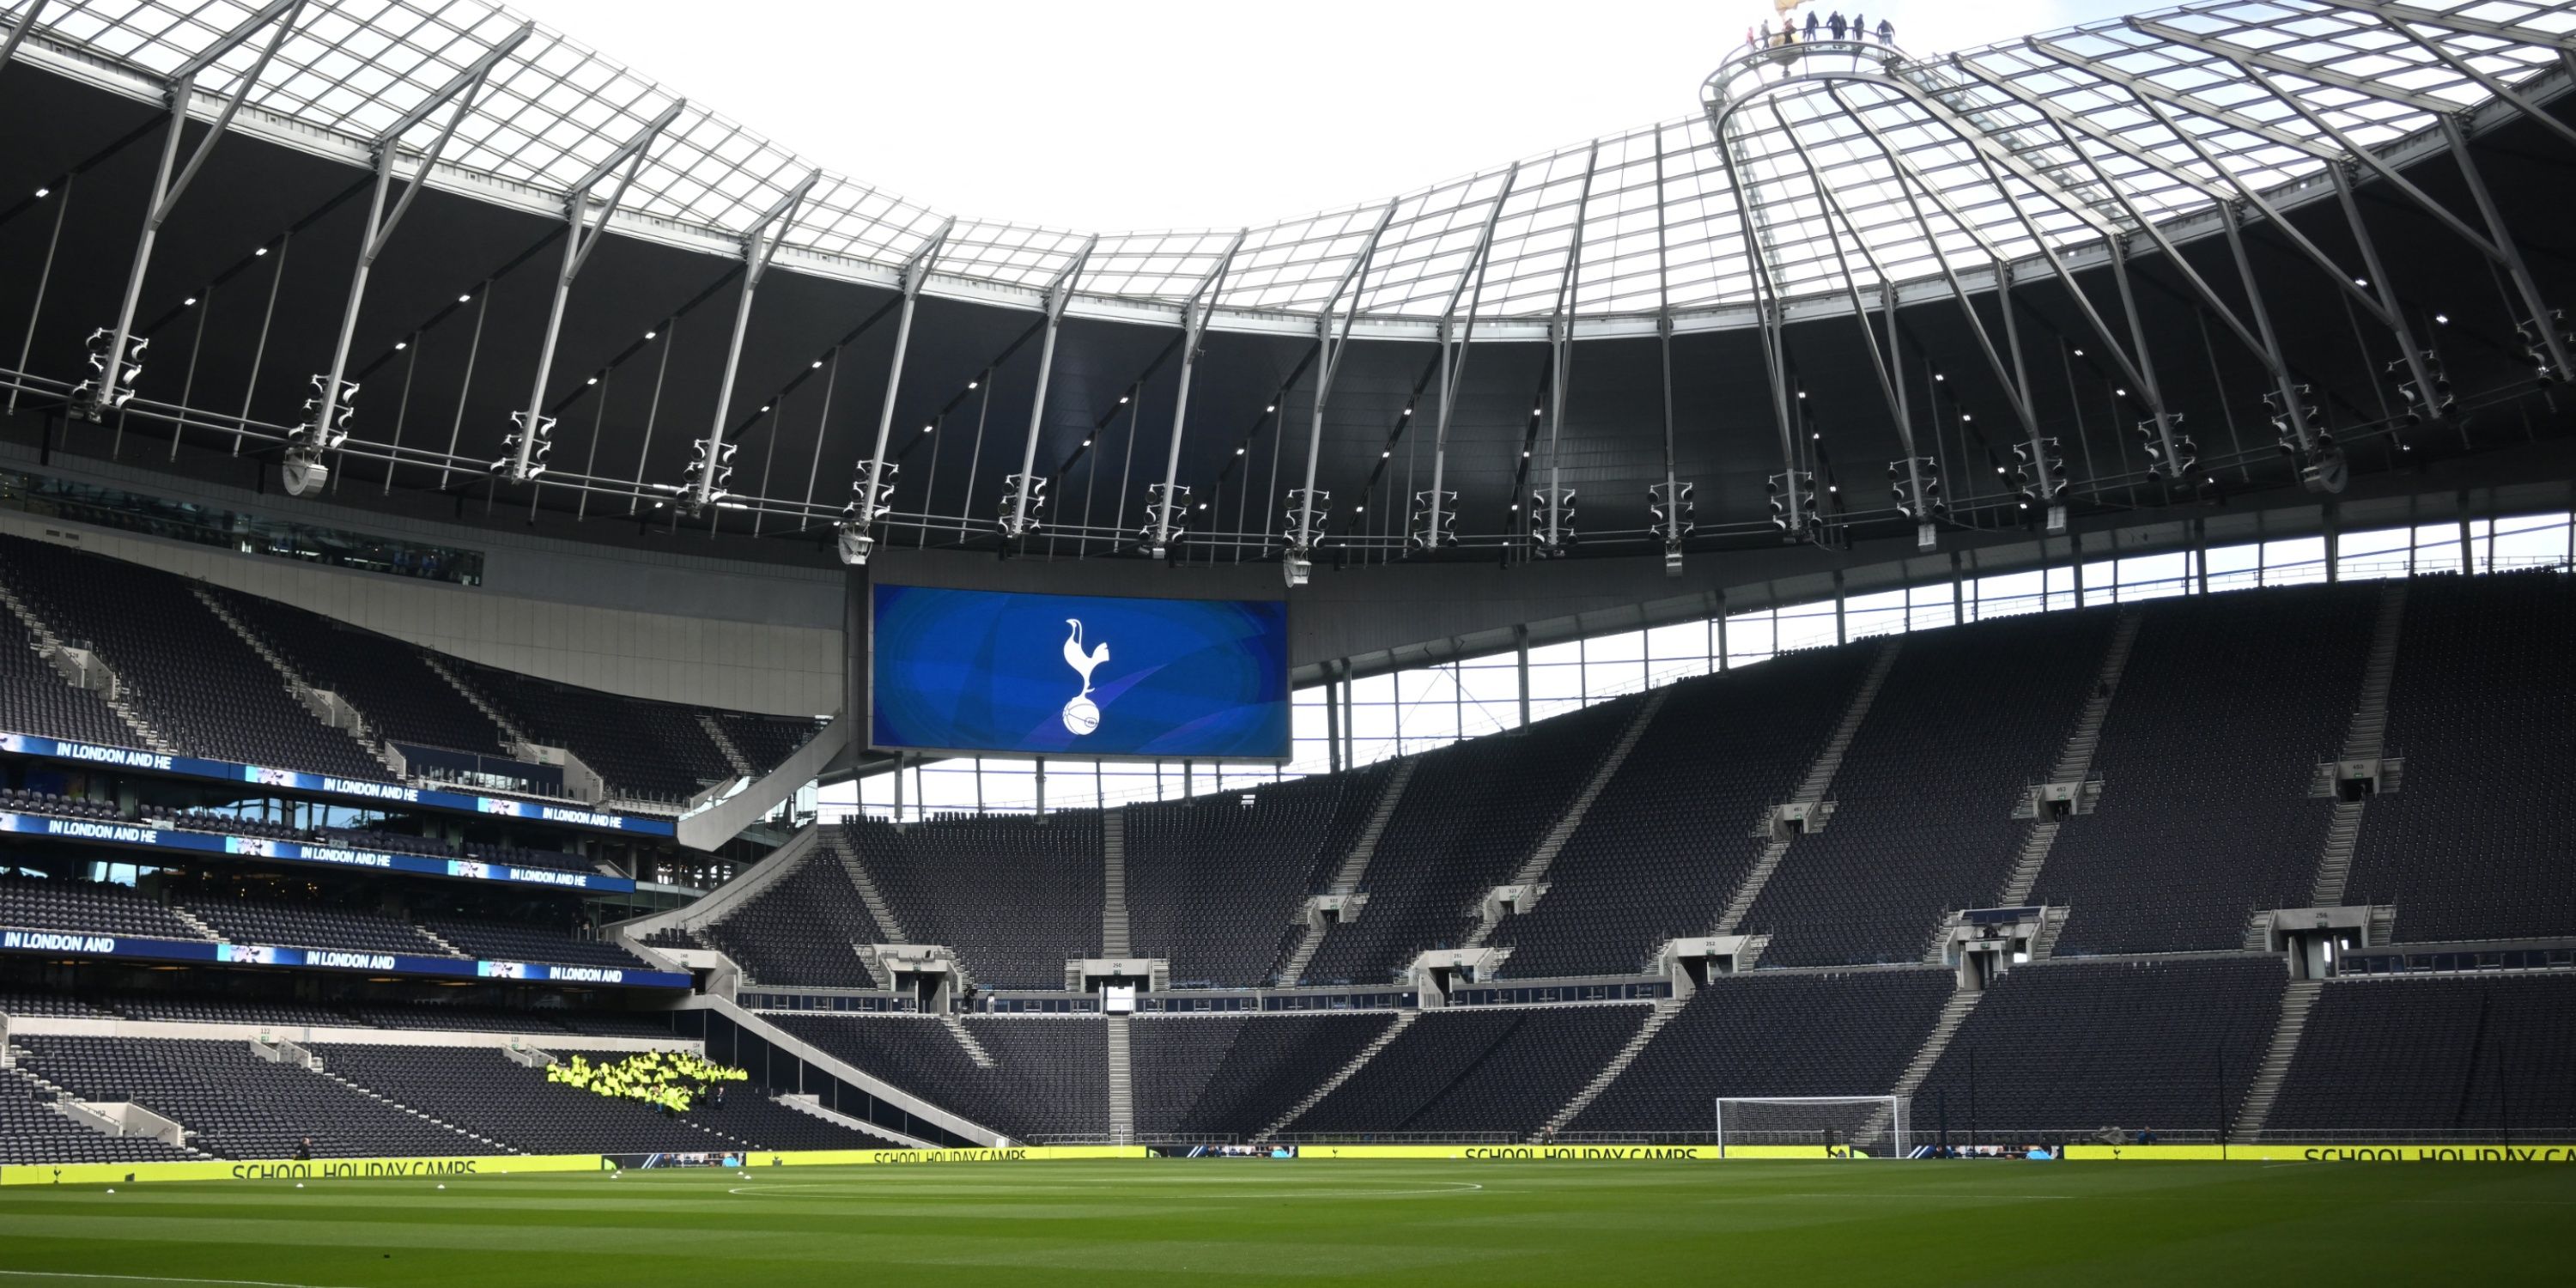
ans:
x=1122 y=1081
x=2074 y=763
x=725 y=747
x=1954 y=1012
x=1356 y=1063
x=870 y=897
x=967 y=1040
x=1346 y=879
x=1812 y=788
x=358 y=728
x=2366 y=738
x=2297 y=999
x=480 y=703
x=1534 y=868
x=1657 y=1016
x=1113 y=884
x=49 y=646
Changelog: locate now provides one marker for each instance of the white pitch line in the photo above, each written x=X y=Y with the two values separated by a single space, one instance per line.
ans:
x=154 y=1279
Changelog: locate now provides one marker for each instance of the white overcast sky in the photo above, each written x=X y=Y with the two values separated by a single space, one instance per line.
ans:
x=1122 y=115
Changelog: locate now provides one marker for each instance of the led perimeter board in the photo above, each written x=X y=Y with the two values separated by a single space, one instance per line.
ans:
x=977 y=671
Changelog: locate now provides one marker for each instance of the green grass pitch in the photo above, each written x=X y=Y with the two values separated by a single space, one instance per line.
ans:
x=1421 y=1224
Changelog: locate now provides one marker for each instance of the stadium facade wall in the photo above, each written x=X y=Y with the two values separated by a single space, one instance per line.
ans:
x=756 y=638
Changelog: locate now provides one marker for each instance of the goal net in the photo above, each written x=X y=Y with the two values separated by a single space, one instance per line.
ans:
x=1864 y=1126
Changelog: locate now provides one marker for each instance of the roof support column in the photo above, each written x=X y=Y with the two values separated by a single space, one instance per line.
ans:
x=874 y=487
x=1790 y=501
x=760 y=244
x=118 y=360
x=1555 y=502
x=1436 y=521
x=2423 y=387
x=1170 y=505
x=2042 y=482
x=18 y=34
x=2544 y=332
x=528 y=445
x=1308 y=509
x=1668 y=502
x=1020 y=505
x=1915 y=479
x=302 y=468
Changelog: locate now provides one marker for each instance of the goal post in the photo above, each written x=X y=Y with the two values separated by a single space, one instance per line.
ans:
x=1861 y=1126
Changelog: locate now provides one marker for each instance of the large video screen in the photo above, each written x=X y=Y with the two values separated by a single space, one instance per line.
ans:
x=1078 y=675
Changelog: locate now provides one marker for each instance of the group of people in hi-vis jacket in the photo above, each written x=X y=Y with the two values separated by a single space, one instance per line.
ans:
x=673 y=1080
x=1835 y=27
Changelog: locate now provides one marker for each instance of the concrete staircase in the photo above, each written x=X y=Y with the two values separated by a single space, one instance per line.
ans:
x=510 y=731
x=497 y=1146
x=1812 y=788
x=195 y=922
x=2296 y=1001
x=1114 y=940
x=114 y=693
x=2364 y=738
x=1657 y=1016
x=724 y=743
x=1543 y=854
x=359 y=730
x=1751 y=889
x=2334 y=862
x=433 y=937
x=1122 y=1083
x=2074 y=762
x=2075 y=758
x=867 y=888
x=1346 y=878
x=1344 y=1074
x=2383 y=923
x=966 y=1038
x=2052 y=923
x=2035 y=845
x=1945 y=1026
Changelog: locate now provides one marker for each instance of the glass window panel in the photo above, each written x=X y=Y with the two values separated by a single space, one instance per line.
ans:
x=1750 y=638
x=2008 y=595
x=2363 y=556
x=1571 y=651
x=1879 y=613
x=2154 y=576
x=2531 y=541
x=1679 y=641
x=1627 y=646
x=2235 y=567
x=1805 y=626
x=2294 y=561
x=1555 y=683
x=2437 y=548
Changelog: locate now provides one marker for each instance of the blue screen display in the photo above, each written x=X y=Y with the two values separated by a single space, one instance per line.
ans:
x=1079 y=675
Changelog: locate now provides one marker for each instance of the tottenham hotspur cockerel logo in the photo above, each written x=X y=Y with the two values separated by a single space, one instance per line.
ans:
x=1081 y=716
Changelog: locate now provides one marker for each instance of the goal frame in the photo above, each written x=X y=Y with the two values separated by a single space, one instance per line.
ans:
x=1899 y=1115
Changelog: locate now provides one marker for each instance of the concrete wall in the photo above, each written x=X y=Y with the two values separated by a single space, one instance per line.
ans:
x=753 y=637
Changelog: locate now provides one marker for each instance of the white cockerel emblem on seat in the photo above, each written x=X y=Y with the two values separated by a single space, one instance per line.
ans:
x=1080 y=715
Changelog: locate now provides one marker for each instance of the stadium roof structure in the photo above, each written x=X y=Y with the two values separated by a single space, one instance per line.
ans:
x=1817 y=183
x=1628 y=225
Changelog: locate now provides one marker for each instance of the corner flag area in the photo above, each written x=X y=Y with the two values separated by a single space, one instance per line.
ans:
x=1424 y=1224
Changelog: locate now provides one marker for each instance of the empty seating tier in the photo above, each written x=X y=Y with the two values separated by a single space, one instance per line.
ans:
x=2435 y=1059
x=2474 y=843
x=2060 y=1050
